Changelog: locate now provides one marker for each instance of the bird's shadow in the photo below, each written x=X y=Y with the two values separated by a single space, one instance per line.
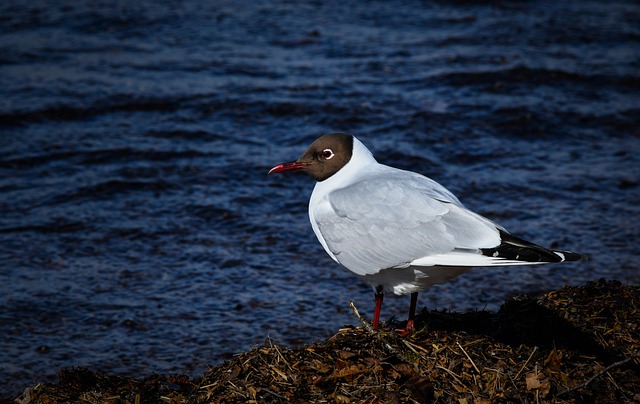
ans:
x=519 y=321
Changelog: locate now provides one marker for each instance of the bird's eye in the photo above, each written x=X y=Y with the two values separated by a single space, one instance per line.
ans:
x=327 y=154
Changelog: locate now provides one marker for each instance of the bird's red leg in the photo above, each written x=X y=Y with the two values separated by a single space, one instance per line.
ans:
x=412 y=313
x=376 y=313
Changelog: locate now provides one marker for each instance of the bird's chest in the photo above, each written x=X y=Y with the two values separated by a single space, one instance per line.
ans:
x=319 y=210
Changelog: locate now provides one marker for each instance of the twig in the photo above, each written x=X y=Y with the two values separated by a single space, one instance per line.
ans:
x=455 y=376
x=523 y=401
x=381 y=336
x=282 y=357
x=535 y=348
x=600 y=373
x=364 y=322
x=468 y=357
x=414 y=347
x=275 y=394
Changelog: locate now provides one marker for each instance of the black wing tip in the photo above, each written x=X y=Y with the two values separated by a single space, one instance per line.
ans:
x=571 y=256
x=517 y=249
x=524 y=254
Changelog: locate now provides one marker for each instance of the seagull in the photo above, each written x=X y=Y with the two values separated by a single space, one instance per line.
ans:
x=399 y=231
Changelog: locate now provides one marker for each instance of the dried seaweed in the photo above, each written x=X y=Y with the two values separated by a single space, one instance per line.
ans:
x=570 y=345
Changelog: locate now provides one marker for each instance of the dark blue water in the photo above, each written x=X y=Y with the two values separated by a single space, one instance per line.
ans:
x=140 y=233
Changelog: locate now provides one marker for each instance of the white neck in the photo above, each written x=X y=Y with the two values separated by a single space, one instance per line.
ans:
x=360 y=158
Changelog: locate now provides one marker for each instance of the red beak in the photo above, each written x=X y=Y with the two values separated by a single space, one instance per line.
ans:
x=290 y=166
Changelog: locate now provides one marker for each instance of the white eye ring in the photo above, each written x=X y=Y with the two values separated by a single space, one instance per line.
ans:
x=327 y=154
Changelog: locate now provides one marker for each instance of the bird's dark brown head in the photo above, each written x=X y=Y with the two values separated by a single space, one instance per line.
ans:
x=325 y=157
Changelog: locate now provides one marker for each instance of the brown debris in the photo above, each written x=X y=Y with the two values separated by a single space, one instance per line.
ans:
x=571 y=345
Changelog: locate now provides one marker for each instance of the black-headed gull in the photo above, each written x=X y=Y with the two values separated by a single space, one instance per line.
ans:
x=397 y=230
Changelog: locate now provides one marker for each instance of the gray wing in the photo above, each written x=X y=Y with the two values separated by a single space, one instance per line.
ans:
x=397 y=220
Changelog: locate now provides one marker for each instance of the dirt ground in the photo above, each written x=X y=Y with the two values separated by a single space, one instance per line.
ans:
x=572 y=345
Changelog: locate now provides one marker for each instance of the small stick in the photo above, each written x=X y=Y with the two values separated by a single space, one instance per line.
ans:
x=468 y=357
x=455 y=376
x=364 y=322
x=535 y=348
x=414 y=347
x=600 y=373
x=282 y=357
x=380 y=336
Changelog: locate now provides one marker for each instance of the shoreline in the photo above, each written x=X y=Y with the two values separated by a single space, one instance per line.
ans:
x=569 y=345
